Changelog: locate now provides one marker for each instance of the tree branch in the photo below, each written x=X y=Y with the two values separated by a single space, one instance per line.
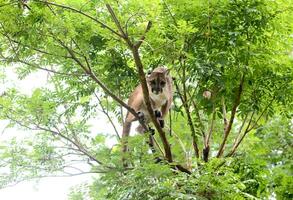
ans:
x=147 y=101
x=206 y=150
x=233 y=113
x=38 y=50
x=55 y=133
x=47 y=70
x=242 y=126
x=248 y=129
x=103 y=25
x=137 y=45
x=254 y=125
x=98 y=81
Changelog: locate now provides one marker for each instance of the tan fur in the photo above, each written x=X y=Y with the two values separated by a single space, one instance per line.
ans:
x=161 y=101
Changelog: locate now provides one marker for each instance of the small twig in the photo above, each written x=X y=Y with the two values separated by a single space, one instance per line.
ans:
x=137 y=45
x=48 y=70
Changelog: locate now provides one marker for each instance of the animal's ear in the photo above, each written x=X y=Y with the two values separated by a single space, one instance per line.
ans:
x=148 y=75
x=167 y=72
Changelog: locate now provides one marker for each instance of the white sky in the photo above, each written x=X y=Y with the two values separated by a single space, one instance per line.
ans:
x=47 y=188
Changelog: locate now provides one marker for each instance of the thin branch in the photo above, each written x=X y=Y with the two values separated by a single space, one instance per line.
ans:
x=116 y=21
x=121 y=108
x=46 y=69
x=51 y=176
x=233 y=113
x=78 y=146
x=254 y=125
x=180 y=143
x=241 y=127
x=248 y=129
x=38 y=50
x=238 y=141
x=98 y=81
x=55 y=133
x=103 y=25
x=137 y=45
x=206 y=150
x=127 y=21
x=212 y=126
x=108 y=116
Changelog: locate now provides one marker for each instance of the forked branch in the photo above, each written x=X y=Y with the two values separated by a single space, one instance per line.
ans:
x=249 y=128
x=233 y=113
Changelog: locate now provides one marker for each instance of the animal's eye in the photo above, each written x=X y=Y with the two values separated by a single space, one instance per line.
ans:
x=153 y=82
x=162 y=82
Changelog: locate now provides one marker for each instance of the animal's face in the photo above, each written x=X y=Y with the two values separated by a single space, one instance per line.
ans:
x=157 y=80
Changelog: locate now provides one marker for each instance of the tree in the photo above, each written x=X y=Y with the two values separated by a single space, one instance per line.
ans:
x=233 y=78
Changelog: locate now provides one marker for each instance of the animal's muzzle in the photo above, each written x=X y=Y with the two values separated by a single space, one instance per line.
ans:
x=157 y=90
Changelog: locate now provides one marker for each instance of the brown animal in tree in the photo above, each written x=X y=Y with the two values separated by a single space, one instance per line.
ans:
x=159 y=84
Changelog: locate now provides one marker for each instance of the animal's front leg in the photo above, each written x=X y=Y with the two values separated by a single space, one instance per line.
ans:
x=141 y=119
x=158 y=115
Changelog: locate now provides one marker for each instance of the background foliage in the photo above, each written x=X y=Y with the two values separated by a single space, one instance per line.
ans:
x=238 y=50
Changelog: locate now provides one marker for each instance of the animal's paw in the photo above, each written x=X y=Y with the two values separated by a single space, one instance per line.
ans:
x=152 y=131
x=158 y=114
x=158 y=160
x=141 y=117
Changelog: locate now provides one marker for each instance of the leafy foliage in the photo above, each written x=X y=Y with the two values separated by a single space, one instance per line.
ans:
x=236 y=144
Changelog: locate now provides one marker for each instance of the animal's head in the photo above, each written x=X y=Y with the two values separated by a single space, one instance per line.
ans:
x=157 y=80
